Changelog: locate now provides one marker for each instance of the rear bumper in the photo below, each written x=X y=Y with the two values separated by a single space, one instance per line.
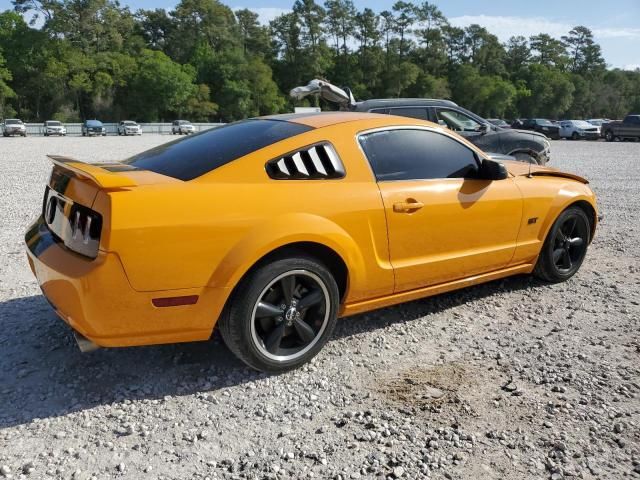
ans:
x=94 y=298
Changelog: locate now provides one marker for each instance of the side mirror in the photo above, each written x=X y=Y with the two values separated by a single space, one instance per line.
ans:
x=492 y=170
x=484 y=128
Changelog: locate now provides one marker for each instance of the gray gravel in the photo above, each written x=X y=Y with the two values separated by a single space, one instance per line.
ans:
x=513 y=379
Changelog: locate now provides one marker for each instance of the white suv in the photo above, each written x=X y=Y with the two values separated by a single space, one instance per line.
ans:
x=13 y=126
x=53 y=127
x=129 y=127
x=180 y=127
x=579 y=130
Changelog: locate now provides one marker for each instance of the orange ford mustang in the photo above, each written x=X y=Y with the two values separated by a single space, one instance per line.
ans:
x=272 y=228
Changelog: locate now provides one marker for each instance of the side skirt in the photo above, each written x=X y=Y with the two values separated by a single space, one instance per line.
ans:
x=381 y=302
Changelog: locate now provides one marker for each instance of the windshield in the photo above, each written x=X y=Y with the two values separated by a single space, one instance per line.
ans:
x=203 y=152
x=13 y=121
x=129 y=122
x=582 y=124
x=52 y=123
x=94 y=123
x=542 y=121
x=184 y=122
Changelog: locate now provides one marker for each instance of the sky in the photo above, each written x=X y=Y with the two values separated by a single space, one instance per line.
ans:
x=616 y=29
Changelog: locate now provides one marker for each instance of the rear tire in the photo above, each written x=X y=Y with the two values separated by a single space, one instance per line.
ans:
x=565 y=247
x=281 y=314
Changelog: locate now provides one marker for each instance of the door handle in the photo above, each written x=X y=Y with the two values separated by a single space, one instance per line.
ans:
x=409 y=206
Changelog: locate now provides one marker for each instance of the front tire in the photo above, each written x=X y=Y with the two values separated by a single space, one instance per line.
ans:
x=574 y=136
x=609 y=136
x=565 y=247
x=281 y=314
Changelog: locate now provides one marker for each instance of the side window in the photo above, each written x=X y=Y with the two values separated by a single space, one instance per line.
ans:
x=405 y=154
x=457 y=121
x=411 y=112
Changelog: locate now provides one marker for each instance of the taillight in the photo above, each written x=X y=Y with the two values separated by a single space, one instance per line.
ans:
x=77 y=226
x=85 y=227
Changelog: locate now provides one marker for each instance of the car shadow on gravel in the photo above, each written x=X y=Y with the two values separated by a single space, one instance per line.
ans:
x=44 y=375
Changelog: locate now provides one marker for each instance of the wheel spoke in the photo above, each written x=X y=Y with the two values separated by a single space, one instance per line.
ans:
x=288 y=284
x=303 y=329
x=569 y=226
x=557 y=253
x=311 y=299
x=576 y=242
x=272 y=344
x=566 y=260
x=265 y=310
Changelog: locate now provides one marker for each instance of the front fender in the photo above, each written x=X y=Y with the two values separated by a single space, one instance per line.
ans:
x=284 y=230
x=568 y=194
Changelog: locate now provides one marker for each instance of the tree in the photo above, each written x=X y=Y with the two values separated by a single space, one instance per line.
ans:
x=159 y=86
x=5 y=91
x=518 y=53
x=255 y=37
x=584 y=54
x=405 y=17
x=551 y=92
x=340 y=20
x=550 y=52
x=75 y=59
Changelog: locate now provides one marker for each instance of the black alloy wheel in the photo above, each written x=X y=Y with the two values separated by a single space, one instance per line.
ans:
x=281 y=314
x=565 y=246
x=290 y=315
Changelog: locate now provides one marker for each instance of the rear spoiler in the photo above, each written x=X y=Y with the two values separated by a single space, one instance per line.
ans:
x=103 y=176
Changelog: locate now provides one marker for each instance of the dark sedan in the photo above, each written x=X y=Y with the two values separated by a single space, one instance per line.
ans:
x=540 y=125
x=93 y=128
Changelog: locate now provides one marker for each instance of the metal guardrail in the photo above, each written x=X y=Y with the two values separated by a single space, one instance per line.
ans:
x=112 y=128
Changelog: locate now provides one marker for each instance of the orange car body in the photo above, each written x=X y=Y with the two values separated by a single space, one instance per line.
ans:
x=171 y=251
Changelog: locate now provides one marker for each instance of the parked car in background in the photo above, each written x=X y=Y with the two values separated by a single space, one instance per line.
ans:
x=54 y=127
x=498 y=122
x=543 y=126
x=129 y=127
x=524 y=146
x=579 y=130
x=627 y=129
x=93 y=128
x=180 y=127
x=14 y=126
x=598 y=121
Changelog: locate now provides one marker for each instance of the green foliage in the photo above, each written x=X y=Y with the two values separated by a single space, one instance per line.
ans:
x=205 y=61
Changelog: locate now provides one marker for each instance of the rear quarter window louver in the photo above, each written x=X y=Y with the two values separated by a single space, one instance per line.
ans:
x=316 y=162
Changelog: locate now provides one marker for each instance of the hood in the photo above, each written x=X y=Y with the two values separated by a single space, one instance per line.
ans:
x=521 y=169
x=530 y=132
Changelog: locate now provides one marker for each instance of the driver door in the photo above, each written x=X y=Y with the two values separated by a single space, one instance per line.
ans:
x=443 y=222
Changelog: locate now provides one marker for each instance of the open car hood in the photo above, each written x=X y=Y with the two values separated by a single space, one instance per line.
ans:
x=327 y=91
x=523 y=169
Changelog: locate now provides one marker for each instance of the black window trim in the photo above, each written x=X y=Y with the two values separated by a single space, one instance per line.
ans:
x=363 y=133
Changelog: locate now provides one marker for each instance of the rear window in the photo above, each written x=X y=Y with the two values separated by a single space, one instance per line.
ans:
x=203 y=152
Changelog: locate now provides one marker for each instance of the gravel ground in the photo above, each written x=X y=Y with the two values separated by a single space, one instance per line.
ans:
x=512 y=380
